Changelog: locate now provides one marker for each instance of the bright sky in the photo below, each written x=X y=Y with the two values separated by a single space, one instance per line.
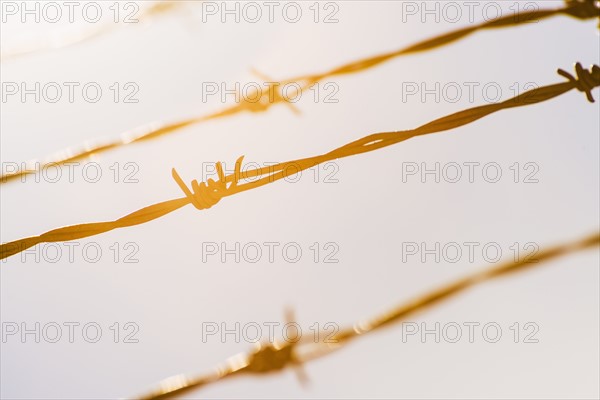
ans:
x=366 y=209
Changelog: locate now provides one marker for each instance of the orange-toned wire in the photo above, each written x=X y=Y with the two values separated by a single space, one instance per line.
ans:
x=261 y=100
x=275 y=357
x=205 y=195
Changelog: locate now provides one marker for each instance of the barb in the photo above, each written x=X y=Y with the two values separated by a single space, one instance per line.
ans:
x=278 y=356
x=54 y=42
x=585 y=80
x=263 y=101
x=206 y=195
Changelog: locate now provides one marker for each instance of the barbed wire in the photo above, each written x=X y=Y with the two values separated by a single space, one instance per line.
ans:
x=258 y=100
x=204 y=195
x=277 y=356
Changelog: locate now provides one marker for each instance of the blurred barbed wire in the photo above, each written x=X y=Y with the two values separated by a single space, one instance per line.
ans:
x=259 y=100
x=277 y=356
x=207 y=194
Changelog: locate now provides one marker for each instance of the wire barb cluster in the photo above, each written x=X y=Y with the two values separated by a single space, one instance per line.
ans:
x=586 y=79
x=270 y=358
x=206 y=195
x=261 y=102
x=583 y=9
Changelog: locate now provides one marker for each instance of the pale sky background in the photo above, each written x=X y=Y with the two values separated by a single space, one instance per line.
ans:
x=369 y=213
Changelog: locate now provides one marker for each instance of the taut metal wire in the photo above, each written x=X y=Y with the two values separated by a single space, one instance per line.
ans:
x=262 y=100
x=207 y=194
x=268 y=358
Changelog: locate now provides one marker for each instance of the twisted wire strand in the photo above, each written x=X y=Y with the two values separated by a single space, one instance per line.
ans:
x=206 y=195
x=265 y=99
x=269 y=358
x=580 y=9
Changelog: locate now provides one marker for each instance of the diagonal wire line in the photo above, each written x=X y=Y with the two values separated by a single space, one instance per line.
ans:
x=269 y=358
x=260 y=101
x=207 y=194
